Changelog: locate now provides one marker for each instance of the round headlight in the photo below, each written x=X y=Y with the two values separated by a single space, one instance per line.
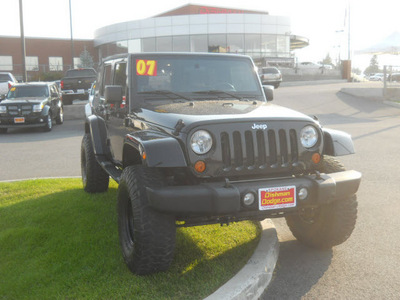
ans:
x=201 y=142
x=308 y=136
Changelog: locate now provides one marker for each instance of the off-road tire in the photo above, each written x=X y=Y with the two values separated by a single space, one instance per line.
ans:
x=328 y=225
x=49 y=123
x=147 y=237
x=94 y=178
x=60 y=116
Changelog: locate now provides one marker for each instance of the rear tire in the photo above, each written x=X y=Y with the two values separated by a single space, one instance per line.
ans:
x=330 y=224
x=94 y=178
x=147 y=237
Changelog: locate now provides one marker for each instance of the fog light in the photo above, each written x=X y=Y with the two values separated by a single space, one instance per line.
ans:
x=248 y=199
x=41 y=120
x=303 y=193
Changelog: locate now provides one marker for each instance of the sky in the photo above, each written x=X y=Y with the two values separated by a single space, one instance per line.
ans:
x=321 y=21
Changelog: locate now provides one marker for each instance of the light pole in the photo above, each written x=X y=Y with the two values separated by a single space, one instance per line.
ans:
x=21 y=22
x=72 y=39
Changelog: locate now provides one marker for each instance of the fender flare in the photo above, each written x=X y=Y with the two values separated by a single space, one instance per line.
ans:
x=97 y=129
x=337 y=143
x=161 y=150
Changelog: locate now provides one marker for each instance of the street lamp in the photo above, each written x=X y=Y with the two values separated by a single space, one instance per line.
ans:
x=21 y=22
x=72 y=39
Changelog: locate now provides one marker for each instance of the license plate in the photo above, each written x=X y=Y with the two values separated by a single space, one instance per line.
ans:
x=19 y=120
x=80 y=91
x=277 y=197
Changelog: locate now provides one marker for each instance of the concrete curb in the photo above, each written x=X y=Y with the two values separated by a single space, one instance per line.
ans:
x=255 y=276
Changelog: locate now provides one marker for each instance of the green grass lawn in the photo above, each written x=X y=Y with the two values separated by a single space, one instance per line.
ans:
x=58 y=242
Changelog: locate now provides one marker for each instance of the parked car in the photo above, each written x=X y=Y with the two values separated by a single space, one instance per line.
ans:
x=198 y=142
x=76 y=84
x=34 y=104
x=376 y=77
x=394 y=77
x=6 y=81
x=271 y=76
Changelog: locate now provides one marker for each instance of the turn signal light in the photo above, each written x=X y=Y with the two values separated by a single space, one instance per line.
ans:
x=316 y=158
x=200 y=166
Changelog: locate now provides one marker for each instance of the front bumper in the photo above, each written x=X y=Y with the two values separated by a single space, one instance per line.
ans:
x=225 y=198
x=29 y=121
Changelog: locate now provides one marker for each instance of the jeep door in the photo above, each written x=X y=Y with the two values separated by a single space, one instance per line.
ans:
x=114 y=73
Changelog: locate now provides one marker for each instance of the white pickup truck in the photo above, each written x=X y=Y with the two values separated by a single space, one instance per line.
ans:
x=6 y=80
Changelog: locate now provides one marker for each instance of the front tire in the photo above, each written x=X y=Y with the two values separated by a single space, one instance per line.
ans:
x=330 y=224
x=94 y=178
x=60 y=116
x=147 y=237
x=49 y=123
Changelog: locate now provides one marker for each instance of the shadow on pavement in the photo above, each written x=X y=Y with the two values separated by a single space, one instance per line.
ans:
x=295 y=259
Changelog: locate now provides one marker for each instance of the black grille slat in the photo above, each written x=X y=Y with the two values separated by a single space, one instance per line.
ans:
x=259 y=149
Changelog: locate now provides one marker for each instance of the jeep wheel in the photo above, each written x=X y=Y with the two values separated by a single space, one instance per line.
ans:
x=328 y=225
x=147 y=237
x=60 y=116
x=94 y=178
x=49 y=123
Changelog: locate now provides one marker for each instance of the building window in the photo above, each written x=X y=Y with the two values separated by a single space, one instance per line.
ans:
x=181 y=43
x=252 y=43
x=198 y=43
x=56 y=63
x=6 y=63
x=164 y=44
x=217 y=43
x=134 y=46
x=235 y=43
x=149 y=45
x=268 y=44
x=32 y=63
x=283 y=45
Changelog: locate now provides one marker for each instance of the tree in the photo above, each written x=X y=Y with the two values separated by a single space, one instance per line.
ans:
x=327 y=60
x=86 y=59
x=373 y=66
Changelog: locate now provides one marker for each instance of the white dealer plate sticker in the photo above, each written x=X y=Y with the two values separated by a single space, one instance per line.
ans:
x=277 y=197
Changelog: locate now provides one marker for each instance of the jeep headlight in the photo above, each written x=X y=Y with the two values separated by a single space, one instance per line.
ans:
x=201 y=142
x=3 y=109
x=308 y=136
x=37 y=108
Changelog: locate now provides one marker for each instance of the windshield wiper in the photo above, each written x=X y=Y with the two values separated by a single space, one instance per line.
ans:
x=167 y=93
x=216 y=92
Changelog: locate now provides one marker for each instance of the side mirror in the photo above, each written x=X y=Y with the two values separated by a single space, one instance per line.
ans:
x=113 y=94
x=269 y=92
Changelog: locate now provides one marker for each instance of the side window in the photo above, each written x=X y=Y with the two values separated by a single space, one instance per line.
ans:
x=120 y=75
x=106 y=78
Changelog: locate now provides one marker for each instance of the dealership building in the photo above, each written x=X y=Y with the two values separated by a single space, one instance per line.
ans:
x=190 y=28
x=195 y=28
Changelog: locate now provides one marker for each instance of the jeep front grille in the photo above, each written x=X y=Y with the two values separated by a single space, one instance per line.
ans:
x=259 y=149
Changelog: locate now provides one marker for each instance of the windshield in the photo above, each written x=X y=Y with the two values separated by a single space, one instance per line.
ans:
x=28 y=91
x=196 y=77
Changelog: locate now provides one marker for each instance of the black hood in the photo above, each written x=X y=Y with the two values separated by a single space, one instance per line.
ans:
x=227 y=111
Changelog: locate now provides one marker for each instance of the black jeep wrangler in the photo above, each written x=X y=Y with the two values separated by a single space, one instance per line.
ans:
x=193 y=139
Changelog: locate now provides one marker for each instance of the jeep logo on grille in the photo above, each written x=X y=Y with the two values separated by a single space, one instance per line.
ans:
x=259 y=126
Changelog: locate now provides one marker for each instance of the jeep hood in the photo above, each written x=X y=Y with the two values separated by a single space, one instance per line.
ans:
x=201 y=112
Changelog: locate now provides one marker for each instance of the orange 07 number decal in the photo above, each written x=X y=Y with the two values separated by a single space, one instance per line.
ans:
x=146 y=67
